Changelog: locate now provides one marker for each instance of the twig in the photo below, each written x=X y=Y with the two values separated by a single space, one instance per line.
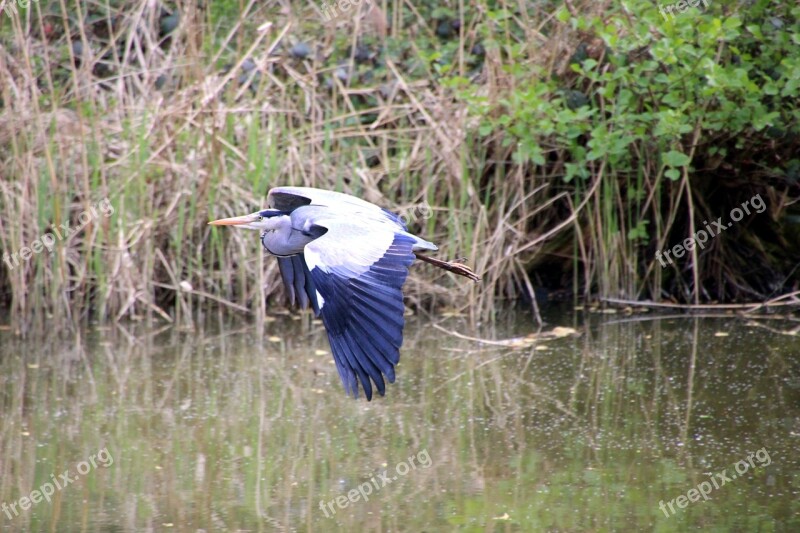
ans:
x=748 y=308
x=203 y=294
x=474 y=339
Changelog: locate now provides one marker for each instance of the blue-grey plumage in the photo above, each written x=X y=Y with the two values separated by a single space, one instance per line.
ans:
x=348 y=259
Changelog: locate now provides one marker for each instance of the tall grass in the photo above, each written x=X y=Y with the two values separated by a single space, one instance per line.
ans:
x=179 y=114
x=174 y=138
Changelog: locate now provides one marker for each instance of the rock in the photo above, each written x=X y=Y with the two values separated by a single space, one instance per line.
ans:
x=300 y=50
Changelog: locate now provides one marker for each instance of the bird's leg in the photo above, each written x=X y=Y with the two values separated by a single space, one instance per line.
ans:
x=455 y=268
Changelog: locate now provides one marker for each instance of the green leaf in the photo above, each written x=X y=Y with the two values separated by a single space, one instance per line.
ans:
x=639 y=232
x=674 y=158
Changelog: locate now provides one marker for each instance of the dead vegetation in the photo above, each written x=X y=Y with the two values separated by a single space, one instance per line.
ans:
x=179 y=114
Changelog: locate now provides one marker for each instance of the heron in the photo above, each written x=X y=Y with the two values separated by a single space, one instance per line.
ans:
x=348 y=259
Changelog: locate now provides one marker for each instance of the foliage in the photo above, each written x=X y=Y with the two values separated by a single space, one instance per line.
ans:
x=670 y=109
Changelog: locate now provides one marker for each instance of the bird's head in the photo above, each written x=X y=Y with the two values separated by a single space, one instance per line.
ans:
x=261 y=220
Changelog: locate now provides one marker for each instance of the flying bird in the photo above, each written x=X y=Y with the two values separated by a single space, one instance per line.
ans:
x=348 y=259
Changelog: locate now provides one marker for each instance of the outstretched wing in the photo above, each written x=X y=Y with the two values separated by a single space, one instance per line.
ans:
x=358 y=273
x=291 y=198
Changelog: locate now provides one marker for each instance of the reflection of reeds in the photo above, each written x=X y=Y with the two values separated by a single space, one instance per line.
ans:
x=229 y=430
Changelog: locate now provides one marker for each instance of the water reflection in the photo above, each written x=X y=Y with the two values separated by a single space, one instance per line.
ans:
x=236 y=427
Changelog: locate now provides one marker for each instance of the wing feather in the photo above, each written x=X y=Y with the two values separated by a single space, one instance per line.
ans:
x=359 y=276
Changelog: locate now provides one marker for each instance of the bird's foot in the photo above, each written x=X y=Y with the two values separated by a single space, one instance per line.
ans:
x=455 y=268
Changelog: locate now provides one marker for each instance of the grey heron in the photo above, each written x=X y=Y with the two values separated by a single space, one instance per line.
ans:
x=348 y=259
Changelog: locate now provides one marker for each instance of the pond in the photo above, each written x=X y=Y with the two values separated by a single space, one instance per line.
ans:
x=633 y=423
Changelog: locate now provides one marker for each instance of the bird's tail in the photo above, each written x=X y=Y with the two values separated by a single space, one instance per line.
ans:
x=455 y=268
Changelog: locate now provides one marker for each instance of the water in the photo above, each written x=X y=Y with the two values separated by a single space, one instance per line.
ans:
x=241 y=428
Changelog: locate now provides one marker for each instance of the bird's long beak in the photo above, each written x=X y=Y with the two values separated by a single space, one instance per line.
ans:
x=236 y=221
